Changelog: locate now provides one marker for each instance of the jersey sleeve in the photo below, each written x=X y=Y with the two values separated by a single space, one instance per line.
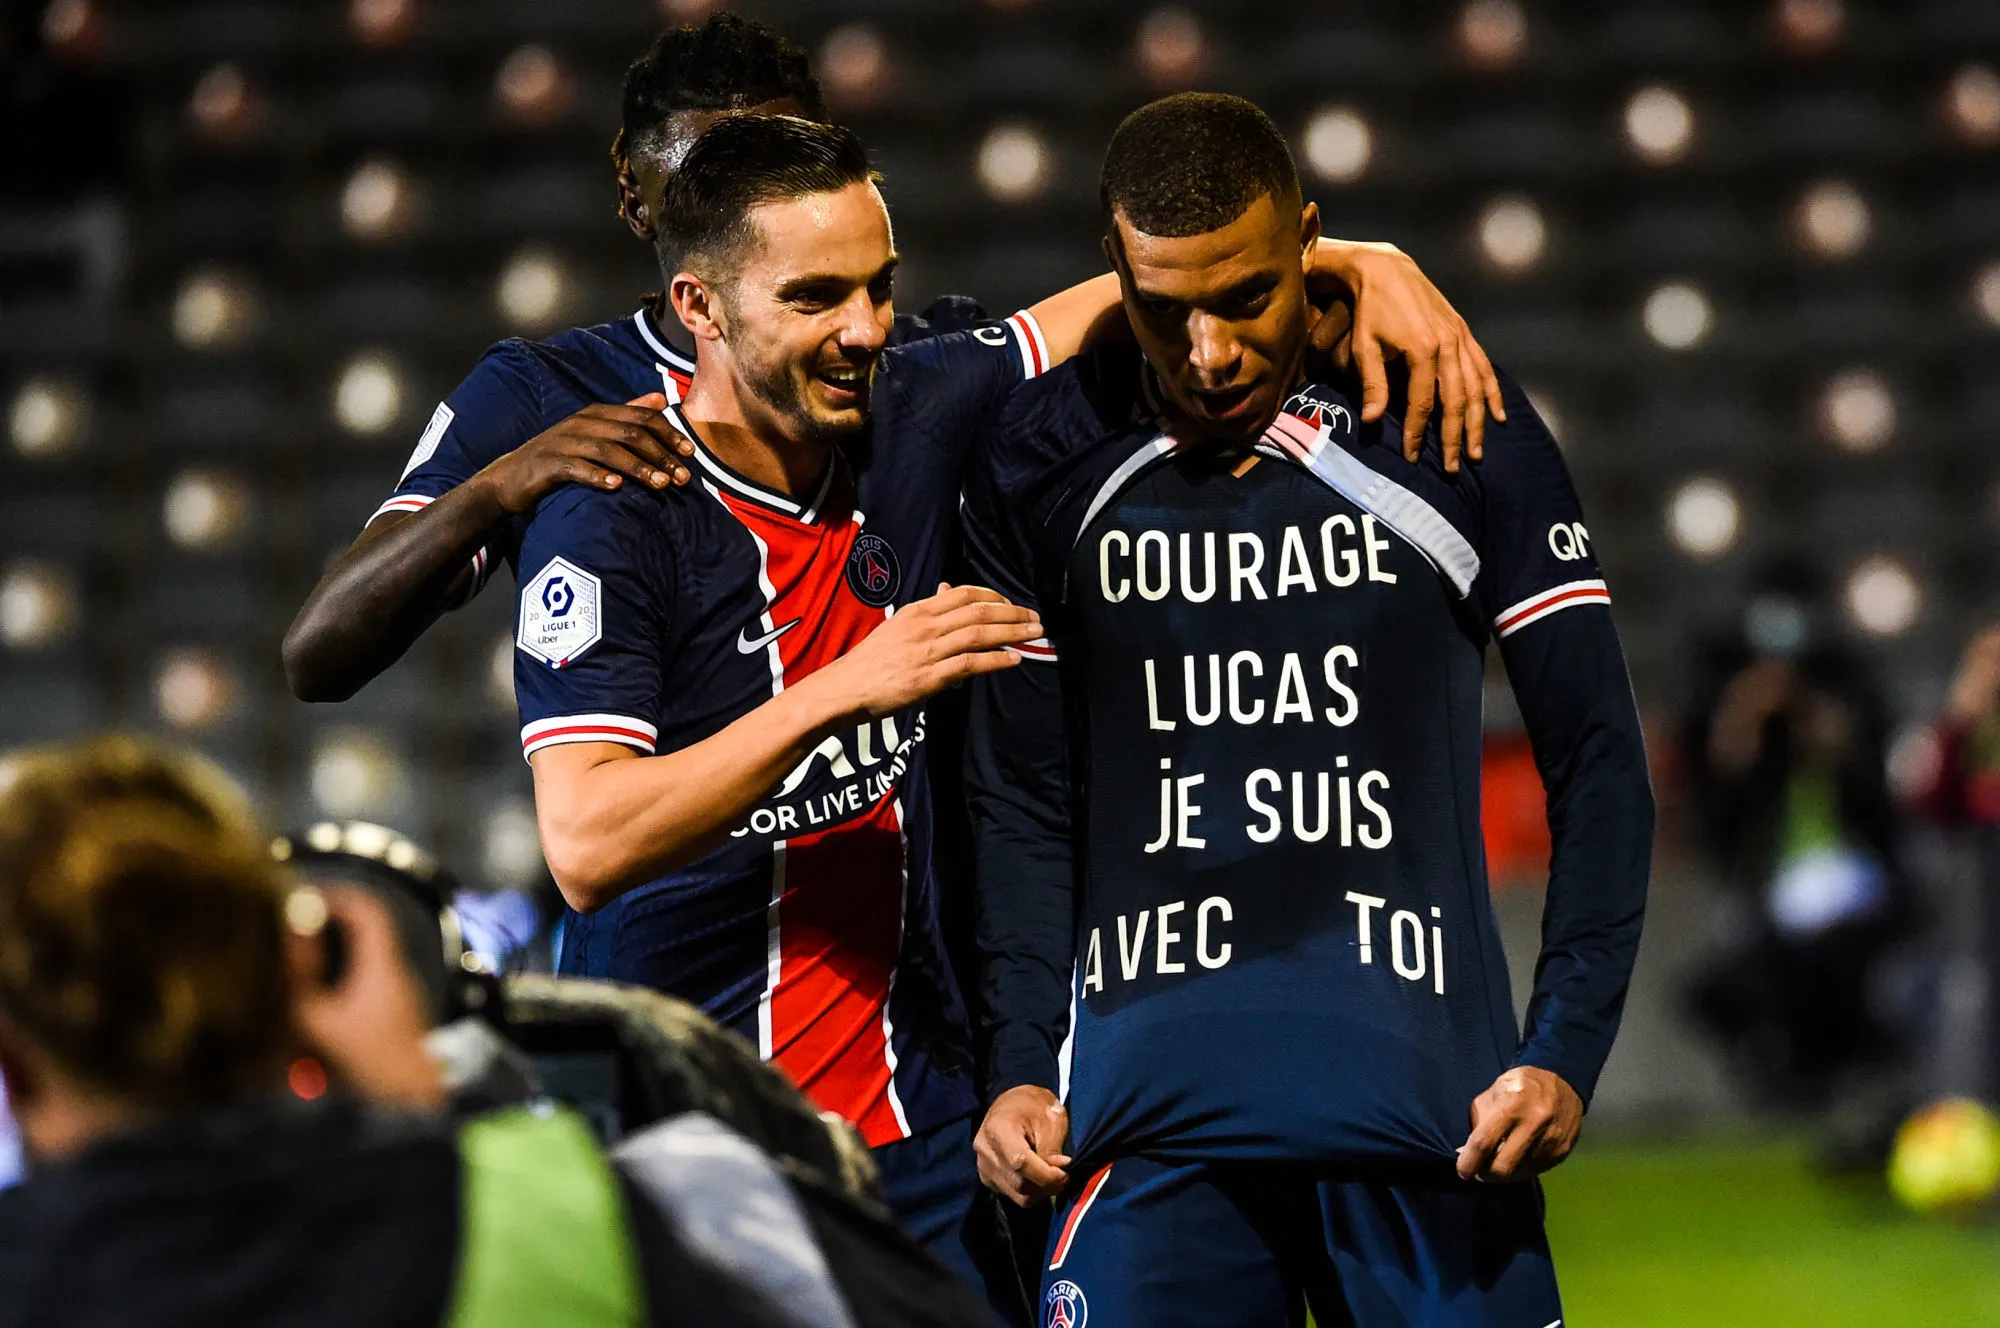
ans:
x=995 y=522
x=947 y=313
x=495 y=410
x=944 y=390
x=1551 y=614
x=1018 y=798
x=590 y=619
x=1018 y=788
x=1536 y=556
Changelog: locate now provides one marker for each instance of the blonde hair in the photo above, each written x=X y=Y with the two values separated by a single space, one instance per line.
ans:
x=141 y=925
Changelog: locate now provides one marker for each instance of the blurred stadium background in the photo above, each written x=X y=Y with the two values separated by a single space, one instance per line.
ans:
x=1746 y=256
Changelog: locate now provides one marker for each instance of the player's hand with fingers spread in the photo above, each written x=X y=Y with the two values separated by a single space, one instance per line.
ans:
x=601 y=445
x=926 y=647
x=1524 y=1124
x=1397 y=311
x=1020 y=1145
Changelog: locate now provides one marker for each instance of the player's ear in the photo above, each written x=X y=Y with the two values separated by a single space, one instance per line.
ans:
x=695 y=304
x=631 y=199
x=1309 y=232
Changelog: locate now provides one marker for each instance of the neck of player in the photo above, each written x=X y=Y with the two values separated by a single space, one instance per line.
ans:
x=741 y=432
x=668 y=328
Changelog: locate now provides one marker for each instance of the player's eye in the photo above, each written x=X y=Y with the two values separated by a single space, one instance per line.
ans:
x=814 y=297
x=1154 y=306
x=1244 y=303
x=882 y=288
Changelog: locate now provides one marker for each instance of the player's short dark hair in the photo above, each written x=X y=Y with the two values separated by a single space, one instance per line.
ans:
x=1194 y=162
x=740 y=163
x=726 y=63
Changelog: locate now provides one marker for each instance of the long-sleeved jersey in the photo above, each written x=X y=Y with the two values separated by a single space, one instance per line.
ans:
x=1228 y=818
x=655 y=619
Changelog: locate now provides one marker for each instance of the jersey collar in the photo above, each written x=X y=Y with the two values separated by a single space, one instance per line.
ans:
x=666 y=356
x=718 y=476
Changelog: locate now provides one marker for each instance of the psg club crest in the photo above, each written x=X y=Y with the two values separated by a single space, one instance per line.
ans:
x=1064 y=1306
x=1308 y=406
x=873 y=573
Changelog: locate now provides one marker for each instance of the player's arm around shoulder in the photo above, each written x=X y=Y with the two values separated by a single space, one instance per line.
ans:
x=482 y=460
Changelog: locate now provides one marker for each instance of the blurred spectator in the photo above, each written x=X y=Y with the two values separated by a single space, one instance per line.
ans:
x=1786 y=753
x=1958 y=787
x=10 y=1145
x=172 y=1010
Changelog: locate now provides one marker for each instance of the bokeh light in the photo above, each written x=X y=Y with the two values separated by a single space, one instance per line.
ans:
x=1986 y=292
x=531 y=86
x=1171 y=47
x=511 y=846
x=1549 y=407
x=1857 y=411
x=1704 y=517
x=853 y=66
x=194 y=689
x=1972 y=104
x=1677 y=315
x=215 y=309
x=534 y=291
x=1659 y=124
x=1512 y=234
x=1014 y=163
x=47 y=417
x=224 y=108
x=1882 y=596
x=688 y=11
x=378 y=202
x=205 y=509
x=37 y=605
x=1809 y=27
x=381 y=22
x=1338 y=144
x=71 y=25
x=500 y=673
x=353 y=773
x=1831 y=220
x=368 y=396
x=1492 y=34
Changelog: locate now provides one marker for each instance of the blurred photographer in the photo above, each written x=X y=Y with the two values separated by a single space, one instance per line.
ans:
x=168 y=999
x=1786 y=755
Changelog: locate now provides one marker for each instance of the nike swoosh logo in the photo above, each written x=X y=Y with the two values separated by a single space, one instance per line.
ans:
x=749 y=645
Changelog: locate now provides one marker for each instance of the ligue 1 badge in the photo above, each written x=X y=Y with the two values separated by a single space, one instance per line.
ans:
x=1064 y=1306
x=873 y=572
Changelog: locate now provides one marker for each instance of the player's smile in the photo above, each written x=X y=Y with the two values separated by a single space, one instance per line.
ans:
x=843 y=385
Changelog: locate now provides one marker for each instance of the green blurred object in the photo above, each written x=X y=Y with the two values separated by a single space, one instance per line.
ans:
x=1742 y=1232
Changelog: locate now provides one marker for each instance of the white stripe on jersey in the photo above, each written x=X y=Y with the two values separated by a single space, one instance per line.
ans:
x=1553 y=600
x=560 y=729
x=889 y=995
x=1395 y=506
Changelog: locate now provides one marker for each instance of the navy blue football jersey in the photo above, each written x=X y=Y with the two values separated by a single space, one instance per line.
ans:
x=520 y=388
x=1231 y=815
x=655 y=619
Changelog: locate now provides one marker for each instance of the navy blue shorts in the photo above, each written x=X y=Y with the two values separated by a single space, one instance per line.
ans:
x=932 y=1184
x=1145 y=1241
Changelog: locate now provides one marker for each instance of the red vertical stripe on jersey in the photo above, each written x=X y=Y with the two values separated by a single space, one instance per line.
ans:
x=839 y=918
x=1083 y=1203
